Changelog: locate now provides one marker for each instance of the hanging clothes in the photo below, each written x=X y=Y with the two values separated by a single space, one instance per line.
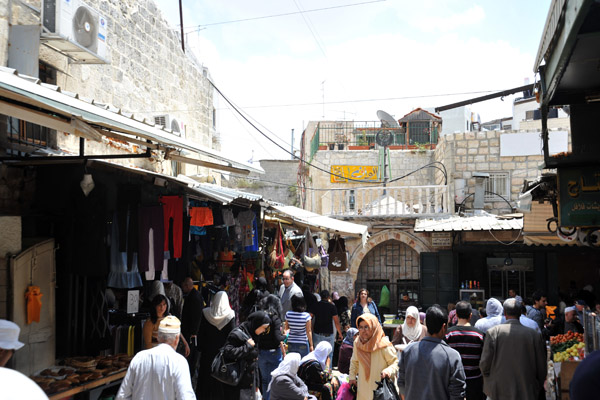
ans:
x=128 y=201
x=151 y=238
x=33 y=297
x=228 y=219
x=253 y=246
x=201 y=216
x=120 y=276
x=246 y=220
x=173 y=211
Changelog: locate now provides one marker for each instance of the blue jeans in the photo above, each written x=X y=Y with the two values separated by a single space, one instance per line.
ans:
x=317 y=338
x=301 y=348
x=268 y=360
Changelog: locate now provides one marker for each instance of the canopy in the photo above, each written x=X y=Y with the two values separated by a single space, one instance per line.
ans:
x=325 y=224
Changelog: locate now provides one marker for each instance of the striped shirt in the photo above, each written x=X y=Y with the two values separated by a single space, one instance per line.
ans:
x=297 y=324
x=468 y=341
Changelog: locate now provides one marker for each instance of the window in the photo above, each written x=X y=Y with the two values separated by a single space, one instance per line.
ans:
x=497 y=185
x=418 y=132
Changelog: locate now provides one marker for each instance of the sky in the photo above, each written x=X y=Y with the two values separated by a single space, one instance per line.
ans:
x=346 y=59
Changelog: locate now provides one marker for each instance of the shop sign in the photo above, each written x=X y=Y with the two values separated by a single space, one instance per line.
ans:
x=133 y=301
x=441 y=239
x=361 y=172
x=579 y=196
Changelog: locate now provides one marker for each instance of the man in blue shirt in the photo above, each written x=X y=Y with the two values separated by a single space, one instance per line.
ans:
x=430 y=369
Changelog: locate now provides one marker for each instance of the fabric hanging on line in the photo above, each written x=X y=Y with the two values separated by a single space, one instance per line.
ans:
x=119 y=275
x=228 y=219
x=217 y=217
x=128 y=201
x=246 y=219
x=33 y=297
x=151 y=233
x=201 y=216
x=173 y=210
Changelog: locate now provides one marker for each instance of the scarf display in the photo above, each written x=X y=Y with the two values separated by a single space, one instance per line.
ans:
x=219 y=313
x=377 y=341
x=289 y=366
x=412 y=333
x=319 y=354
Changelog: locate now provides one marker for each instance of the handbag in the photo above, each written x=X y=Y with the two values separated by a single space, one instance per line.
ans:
x=324 y=257
x=277 y=258
x=225 y=371
x=385 y=390
x=310 y=262
x=338 y=258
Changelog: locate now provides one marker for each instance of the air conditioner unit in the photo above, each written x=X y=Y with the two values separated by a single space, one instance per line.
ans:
x=170 y=122
x=73 y=22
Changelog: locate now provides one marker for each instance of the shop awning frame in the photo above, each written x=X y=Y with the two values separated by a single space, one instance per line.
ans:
x=29 y=99
x=304 y=218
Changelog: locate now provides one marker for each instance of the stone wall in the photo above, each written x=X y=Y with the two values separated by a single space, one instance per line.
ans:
x=148 y=74
x=278 y=183
x=480 y=152
x=402 y=162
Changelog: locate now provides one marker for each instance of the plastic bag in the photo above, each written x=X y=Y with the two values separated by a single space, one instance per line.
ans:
x=385 y=390
x=384 y=299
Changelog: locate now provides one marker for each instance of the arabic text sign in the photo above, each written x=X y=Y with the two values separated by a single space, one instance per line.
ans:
x=360 y=172
x=579 y=196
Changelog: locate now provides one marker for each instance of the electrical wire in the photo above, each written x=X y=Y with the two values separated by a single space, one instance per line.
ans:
x=199 y=27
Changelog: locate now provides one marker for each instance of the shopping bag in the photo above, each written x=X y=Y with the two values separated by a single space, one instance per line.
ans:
x=324 y=257
x=385 y=390
x=277 y=258
x=310 y=262
x=338 y=258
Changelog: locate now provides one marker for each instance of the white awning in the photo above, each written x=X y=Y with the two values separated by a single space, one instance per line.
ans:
x=474 y=223
x=324 y=224
x=29 y=99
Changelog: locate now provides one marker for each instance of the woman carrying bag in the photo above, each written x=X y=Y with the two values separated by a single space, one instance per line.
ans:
x=374 y=357
x=240 y=346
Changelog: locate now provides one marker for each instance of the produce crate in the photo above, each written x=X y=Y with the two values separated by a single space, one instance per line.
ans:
x=567 y=370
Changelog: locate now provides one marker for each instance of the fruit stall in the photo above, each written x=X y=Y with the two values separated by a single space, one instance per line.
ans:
x=567 y=352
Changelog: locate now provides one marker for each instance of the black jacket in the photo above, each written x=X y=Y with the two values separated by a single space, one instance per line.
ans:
x=237 y=348
x=191 y=315
x=274 y=337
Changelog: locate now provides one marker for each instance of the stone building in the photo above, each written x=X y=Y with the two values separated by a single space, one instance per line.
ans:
x=429 y=231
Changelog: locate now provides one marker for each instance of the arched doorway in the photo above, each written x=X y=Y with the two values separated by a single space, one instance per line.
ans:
x=393 y=264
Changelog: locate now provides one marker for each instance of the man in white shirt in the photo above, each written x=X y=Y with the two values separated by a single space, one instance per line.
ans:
x=160 y=372
x=287 y=290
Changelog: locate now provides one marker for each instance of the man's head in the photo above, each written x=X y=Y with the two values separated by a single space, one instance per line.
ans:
x=512 y=309
x=464 y=310
x=288 y=278
x=570 y=313
x=9 y=340
x=168 y=331
x=324 y=295
x=405 y=297
x=436 y=319
x=511 y=293
x=187 y=285
x=539 y=299
x=580 y=304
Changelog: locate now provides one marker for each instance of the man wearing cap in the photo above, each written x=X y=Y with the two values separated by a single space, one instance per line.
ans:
x=159 y=372
x=570 y=322
x=14 y=385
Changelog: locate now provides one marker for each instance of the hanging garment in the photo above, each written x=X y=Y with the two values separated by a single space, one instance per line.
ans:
x=33 y=297
x=253 y=246
x=119 y=275
x=228 y=219
x=173 y=210
x=152 y=238
x=128 y=201
x=201 y=216
x=246 y=219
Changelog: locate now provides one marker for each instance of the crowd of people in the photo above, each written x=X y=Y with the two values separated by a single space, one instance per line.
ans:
x=301 y=345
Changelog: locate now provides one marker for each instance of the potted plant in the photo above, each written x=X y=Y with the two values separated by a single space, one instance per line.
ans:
x=361 y=143
x=322 y=146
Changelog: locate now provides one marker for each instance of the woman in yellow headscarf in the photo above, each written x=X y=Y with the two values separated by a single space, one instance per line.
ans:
x=373 y=359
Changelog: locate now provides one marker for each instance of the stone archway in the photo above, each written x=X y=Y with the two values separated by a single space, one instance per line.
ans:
x=409 y=239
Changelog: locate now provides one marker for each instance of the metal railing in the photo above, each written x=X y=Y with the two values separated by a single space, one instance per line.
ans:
x=390 y=201
x=348 y=135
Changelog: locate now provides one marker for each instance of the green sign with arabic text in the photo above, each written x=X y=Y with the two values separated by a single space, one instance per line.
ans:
x=579 y=196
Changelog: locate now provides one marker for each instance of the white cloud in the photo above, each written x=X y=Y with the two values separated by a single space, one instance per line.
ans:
x=451 y=22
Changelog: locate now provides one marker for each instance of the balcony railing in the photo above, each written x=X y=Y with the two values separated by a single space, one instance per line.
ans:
x=418 y=201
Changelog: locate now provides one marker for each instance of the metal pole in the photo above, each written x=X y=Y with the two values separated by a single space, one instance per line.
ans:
x=385 y=177
x=292 y=144
x=181 y=22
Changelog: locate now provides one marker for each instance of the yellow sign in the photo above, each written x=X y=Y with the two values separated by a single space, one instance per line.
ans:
x=360 y=172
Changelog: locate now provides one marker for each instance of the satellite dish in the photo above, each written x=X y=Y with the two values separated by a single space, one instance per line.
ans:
x=387 y=120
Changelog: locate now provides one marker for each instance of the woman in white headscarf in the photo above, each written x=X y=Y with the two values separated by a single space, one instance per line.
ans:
x=411 y=330
x=285 y=384
x=314 y=369
x=217 y=322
